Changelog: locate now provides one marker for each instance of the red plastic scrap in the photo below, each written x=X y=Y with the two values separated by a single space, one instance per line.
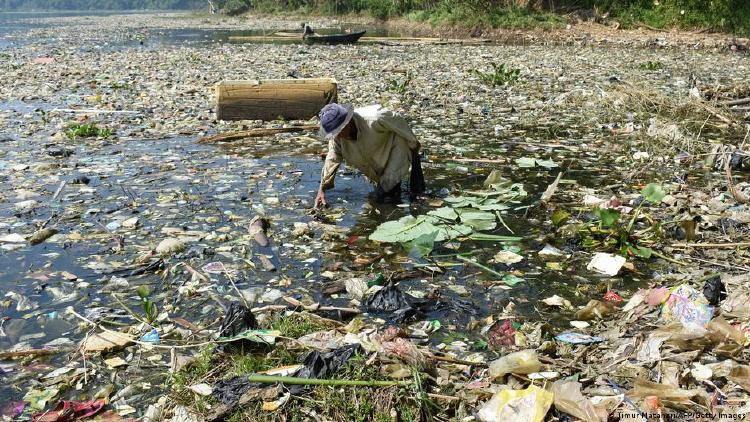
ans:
x=612 y=296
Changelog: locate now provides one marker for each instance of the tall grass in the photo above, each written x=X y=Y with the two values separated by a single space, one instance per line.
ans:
x=719 y=15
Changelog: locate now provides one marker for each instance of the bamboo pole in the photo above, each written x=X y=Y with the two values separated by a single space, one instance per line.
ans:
x=478 y=265
x=254 y=133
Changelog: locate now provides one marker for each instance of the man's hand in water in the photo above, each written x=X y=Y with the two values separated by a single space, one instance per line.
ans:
x=320 y=200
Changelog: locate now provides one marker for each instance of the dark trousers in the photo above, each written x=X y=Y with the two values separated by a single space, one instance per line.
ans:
x=416 y=183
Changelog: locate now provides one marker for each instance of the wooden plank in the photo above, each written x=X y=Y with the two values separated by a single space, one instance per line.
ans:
x=292 y=99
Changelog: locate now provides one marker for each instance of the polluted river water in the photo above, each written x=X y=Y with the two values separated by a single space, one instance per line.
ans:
x=113 y=200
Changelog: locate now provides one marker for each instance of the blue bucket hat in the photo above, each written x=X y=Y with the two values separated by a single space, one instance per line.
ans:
x=333 y=118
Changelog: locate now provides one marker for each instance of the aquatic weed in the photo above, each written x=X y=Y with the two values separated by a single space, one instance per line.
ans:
x=297 y=325
x=500 y=75
x=150 y=310
x=399 y=86
x=652 y=65
x=610 y=232
x=87 y=130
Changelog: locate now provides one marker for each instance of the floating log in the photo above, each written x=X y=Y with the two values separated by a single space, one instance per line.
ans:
x=292 y=99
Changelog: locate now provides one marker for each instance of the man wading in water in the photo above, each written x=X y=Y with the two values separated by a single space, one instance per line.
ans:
x=377 y=142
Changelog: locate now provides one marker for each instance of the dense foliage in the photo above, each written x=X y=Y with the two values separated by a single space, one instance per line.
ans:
x=721 y=15
x=100 y=4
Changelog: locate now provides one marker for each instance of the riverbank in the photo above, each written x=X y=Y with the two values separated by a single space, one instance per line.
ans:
x=718 y=16
x=567 y=32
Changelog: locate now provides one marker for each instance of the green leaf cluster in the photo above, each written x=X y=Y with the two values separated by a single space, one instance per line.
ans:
x=87 y=130
x=500 y=75
x=463 y=216
x=612 y=233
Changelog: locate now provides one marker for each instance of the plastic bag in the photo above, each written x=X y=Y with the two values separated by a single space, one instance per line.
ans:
x=387 y=299
x=737 y=305
x=237 y=320
x=606 y=263
x=643 y=388
x=685 y=338
x=714 y=290
x=568 y=399
x=404 y=350
x=230 y=390
x=687 y=306
x=501 y=333
x=393 y=301
x=740 y=375
x=151 y=337
x=322 y=365
x=656 y=296
x=398 y=307
x=529 y=405
x=578 y=338
x=523 y=362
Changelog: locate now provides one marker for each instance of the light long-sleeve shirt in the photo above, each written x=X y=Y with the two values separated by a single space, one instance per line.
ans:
x=382 y=150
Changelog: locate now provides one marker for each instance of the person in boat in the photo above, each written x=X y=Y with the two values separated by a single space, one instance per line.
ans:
x=377 y=142
x=307 y=30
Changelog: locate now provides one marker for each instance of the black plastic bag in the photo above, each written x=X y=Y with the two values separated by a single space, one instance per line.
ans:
x=397 y=307
x=230 y=390
x=393 y=301
x=714 y=290
x=322 y=365
x=387 y=299
x=238 y=319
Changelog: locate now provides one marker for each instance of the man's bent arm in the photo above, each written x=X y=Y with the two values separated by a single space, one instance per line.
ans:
x=331 y=165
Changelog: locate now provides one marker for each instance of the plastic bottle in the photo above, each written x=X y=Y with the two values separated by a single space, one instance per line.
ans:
x=523 y=362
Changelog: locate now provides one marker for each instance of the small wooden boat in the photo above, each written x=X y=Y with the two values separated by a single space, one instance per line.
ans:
x=311 y=37
x=287 y=34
